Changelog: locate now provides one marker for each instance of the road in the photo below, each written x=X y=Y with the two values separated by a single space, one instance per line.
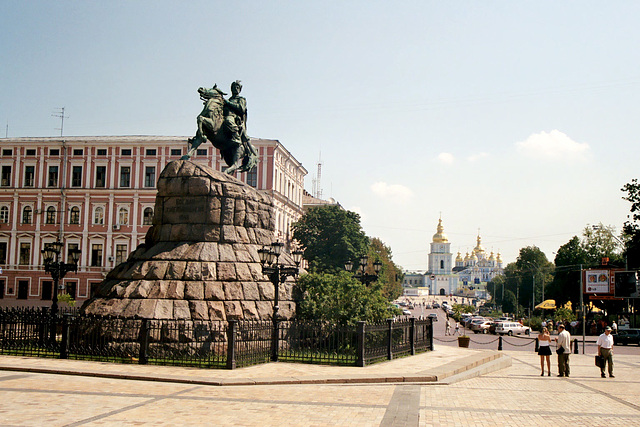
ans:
x=512 y=343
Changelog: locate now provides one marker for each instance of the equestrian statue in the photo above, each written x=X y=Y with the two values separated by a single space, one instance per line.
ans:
x=224 y=123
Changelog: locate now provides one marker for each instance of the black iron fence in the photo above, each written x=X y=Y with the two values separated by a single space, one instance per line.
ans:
x=207 y=344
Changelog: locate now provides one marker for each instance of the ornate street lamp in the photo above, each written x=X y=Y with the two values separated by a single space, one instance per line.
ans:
x=277 y=273
x=58 y=269
x=360 y=274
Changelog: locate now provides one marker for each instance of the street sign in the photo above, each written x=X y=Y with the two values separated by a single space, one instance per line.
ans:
x=605 y=297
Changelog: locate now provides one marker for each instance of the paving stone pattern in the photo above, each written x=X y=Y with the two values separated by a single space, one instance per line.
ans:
x=514 y=396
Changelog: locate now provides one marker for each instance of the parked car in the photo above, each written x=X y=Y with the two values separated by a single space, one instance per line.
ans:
x=627 y=336
x=433 y=316
x=436 y=305
x=406 y=312
x=480 y=326
x=512 y=328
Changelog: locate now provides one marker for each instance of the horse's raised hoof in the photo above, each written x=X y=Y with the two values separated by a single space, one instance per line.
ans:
x=185 y=157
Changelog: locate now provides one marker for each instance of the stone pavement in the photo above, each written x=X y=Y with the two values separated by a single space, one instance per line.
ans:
x=449 y=386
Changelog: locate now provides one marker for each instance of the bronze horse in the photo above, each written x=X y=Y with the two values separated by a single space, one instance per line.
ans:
x=238 y=156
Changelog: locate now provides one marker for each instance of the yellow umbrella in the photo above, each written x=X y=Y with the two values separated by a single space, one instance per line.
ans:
x=549 y=304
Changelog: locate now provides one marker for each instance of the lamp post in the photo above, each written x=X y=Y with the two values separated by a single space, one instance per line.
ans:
x=58 y=269
x=277 y=273
x=360 y=274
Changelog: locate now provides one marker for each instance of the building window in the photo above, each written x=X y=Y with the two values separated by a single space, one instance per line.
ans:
x=25 y=253
x=52 y=180
x=151 y=152
x=71 y=247
x=102 y=151
x=5 y=179
x=74 y=217
x=70 y=288
x=76 y=176
x=252 y=177
x=123 y=216
x=29 y=174
x=23 y=289
x=7 y=152
x=51 y=215
x=201 y=152
x=54 y=152
x=125 y=152
x=147 y=217
x=98 y=215
x=96 y=255
x=4 y=214
x=150 y=176
x=121 y=254
x=78 y=151
x=176 y=152
x=125 y=176
x=27 y=213
x=31 y=152
x=47 y=290
x=101 y=176
x=3 y=253
x=1 y=288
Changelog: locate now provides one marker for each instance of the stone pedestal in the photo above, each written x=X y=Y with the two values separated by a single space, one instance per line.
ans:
x=200 y=258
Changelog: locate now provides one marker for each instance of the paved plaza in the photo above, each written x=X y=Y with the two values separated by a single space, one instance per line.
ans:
x=449 y=387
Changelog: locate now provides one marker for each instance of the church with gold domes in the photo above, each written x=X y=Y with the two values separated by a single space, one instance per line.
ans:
x=469 y=275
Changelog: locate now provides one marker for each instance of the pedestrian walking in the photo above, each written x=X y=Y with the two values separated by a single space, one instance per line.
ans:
x=544 y=350
x=614 y=327
x=564 y=350
x=457 y=331
x=605 y=350
x=448 y=328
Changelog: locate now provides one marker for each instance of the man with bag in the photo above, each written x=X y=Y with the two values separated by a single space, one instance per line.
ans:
x=563 y=350
x=605 y=351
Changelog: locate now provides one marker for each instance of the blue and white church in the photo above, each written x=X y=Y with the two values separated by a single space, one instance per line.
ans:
x=469 y=275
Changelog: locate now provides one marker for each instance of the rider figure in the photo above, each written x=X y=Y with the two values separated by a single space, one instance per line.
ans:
x=235 y=115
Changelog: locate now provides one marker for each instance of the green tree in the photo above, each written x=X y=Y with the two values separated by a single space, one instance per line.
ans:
x=566 y=281
x=390 y=276
x=631 y=228
x=341 y=299
x=598 y=242
x=535 y=271
x=330 y=236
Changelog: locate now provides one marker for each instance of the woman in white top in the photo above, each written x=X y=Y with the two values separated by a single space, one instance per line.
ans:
x=544 y=350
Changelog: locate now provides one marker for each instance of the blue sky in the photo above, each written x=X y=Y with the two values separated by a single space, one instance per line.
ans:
x=515 y=118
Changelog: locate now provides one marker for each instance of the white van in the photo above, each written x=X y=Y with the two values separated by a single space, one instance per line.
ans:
x=512 y=328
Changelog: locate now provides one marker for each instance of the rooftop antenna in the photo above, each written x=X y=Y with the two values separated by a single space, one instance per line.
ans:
x=60 y=114
x=6 y=132
x=317 y=188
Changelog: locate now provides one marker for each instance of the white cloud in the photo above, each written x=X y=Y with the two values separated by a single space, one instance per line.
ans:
x=554 y=146
x=477 y=157
x=446 y=158
x=396 y=192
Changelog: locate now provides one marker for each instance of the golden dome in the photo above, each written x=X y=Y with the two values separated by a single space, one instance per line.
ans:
x=466 y=257
x=499 y=257
x=492 y=257
x=478 y=249
x=440 y=237
x=459 y=258
x=474 y=257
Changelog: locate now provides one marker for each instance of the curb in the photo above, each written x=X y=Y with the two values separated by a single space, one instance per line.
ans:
x=468 y=367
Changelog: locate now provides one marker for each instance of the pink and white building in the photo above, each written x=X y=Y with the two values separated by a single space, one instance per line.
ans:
x=97 y=194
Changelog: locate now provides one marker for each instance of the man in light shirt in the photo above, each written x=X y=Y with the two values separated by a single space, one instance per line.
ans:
x=605 y=349
x=564 y=343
